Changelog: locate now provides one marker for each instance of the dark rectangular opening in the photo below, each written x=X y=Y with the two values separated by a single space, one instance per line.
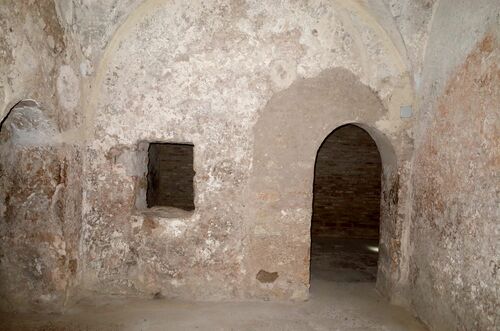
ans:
x=170 y=176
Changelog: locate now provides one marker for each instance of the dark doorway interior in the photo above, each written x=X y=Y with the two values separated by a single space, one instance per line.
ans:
x=346 y=207
x=170 y=176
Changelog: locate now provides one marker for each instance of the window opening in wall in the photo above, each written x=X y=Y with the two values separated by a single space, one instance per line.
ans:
x=346 y=207
x=170 y=176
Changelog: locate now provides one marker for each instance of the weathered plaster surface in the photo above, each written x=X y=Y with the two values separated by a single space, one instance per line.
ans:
x=92 y=24
x=39 y=165
x=255 y=86
x=454 y=248
x=413 y=19
x=30 y=40
x=455 y=231
x=40 y=211
x=456 y=28
x=279 y=193
x=203 y=73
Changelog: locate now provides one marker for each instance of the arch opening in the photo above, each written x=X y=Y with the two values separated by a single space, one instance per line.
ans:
x=319 y=105
x=346 y=211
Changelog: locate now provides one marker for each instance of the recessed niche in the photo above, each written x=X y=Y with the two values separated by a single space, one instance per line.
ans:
x=170 y=176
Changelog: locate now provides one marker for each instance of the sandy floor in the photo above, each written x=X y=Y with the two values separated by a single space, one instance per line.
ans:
x=343 y=297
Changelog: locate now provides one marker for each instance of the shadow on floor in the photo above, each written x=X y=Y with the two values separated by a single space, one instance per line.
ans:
x=344 y=260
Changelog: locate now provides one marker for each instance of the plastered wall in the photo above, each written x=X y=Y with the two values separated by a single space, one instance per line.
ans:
x=455 y=218
x=40 y=164
x=205 y=74
x=256 y=87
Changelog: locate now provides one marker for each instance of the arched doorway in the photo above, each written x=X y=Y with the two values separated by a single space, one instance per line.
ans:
x=346 y=207
x=280 y=190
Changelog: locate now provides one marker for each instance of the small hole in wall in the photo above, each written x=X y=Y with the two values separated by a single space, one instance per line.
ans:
x=170 y=176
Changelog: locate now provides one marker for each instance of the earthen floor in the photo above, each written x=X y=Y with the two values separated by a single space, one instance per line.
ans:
x=343 y=297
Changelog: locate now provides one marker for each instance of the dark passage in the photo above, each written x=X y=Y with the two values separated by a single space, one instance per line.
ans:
x=346 y=207
x=170 y=176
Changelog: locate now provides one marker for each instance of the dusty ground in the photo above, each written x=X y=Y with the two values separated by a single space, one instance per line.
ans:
x=343 y=297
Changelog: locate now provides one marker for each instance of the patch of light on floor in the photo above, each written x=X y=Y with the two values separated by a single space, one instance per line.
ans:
x=372 y=248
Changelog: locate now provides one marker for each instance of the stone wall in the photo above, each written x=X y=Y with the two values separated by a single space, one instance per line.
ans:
x=40 y=212
x=454 y=263
x=347 y=188
x=185 y=72
x=154 y=70
x=41 y=162
x=223 y=75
